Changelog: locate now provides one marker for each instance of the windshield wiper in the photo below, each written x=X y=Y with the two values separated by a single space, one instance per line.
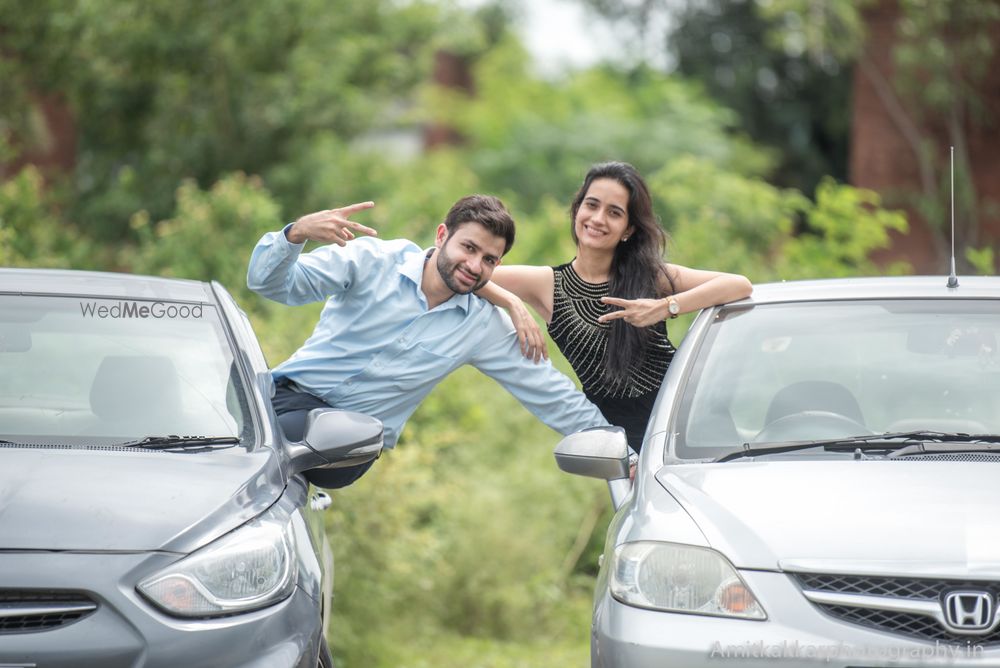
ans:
x=164 y=442
x=748 y=451
x=889 y=441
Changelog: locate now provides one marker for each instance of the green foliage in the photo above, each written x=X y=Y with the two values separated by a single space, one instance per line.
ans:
x=722 y=220
x=754 y=58
x=467 y=521
x=205 y=237
x=842 y=229
x=450 y=650
x=983 y=260
x=727 y=222
x=532 y=138
x=411 y=196
x=936 y=96
x=823 y=30
x=175 y=89
x=543 y=235
x=31 y=231
x=945 y=50
x=944 y=46
x=785 y=67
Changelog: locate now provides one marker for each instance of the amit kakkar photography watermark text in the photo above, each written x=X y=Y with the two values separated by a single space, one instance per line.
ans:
x=842 y=651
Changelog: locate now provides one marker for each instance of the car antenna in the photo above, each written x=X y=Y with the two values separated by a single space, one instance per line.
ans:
x=952 y=278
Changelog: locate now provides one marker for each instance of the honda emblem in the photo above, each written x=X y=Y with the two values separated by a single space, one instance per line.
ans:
x=966 y=611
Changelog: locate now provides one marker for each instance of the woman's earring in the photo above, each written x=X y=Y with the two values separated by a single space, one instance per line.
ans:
x=624 y=239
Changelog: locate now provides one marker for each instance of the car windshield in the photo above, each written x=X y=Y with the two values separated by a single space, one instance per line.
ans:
x=86 y=369
x=781 y=373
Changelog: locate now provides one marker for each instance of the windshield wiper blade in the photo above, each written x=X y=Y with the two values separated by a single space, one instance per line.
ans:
x=948 y=448
x=163 y=442
x=864 y=442
x=749 y=451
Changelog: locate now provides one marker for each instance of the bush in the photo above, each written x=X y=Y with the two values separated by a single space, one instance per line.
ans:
x=462 y=529
x=31 y=232
x=210 y=235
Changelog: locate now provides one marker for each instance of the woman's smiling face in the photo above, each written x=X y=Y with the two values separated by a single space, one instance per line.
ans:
x=602 y=219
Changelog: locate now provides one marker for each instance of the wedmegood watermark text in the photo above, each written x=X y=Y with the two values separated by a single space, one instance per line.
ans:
x=156 y=310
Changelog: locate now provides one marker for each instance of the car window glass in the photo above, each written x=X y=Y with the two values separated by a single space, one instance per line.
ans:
x=766 y=373
x=73 y=368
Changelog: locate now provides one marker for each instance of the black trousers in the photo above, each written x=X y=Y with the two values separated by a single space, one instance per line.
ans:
x=292 y=407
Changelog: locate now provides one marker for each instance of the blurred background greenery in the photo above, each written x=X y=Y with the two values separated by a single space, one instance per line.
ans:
x=166 y=136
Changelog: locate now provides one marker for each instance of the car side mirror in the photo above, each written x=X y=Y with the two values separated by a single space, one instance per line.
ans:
x=335 y=439
x=600 y=452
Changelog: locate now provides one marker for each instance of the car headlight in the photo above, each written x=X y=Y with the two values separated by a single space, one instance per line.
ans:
x=680 y=578
x=250 y=568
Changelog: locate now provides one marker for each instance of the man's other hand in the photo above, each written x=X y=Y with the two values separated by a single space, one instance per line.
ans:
x=330 y=226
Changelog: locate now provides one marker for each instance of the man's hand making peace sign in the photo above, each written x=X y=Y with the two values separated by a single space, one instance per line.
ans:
x=330 y=226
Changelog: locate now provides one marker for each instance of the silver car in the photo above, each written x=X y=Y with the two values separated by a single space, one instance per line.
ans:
x=814 y=487
x=150 y=513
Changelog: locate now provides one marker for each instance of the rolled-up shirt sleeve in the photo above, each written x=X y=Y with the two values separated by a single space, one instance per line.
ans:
x=279 y=271
x=548 y=393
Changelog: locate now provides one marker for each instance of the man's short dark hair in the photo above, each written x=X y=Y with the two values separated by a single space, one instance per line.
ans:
x=486 y=210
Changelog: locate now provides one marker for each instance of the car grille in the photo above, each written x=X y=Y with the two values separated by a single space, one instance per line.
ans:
x=897 y=592
x=22 y=611
x=988 y=458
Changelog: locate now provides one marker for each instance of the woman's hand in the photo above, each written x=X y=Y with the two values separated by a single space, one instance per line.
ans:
x=533 y=345
x=636 y=312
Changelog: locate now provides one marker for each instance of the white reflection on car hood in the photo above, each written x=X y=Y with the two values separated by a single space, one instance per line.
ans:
x=847 y=516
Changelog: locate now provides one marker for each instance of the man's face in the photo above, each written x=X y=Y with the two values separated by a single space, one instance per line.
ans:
x=467 y=258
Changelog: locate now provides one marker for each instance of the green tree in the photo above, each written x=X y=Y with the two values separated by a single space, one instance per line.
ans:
x=785 y=67
x=32 y=233
x=533 y=138
x=942 y=54
x=167 y=90
x=782 y=97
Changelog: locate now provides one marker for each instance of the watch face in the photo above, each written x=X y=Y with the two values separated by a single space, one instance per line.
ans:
x=673 y=307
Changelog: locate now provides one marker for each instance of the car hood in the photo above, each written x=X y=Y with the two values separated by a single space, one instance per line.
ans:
x=126 y=499
x=931 y=517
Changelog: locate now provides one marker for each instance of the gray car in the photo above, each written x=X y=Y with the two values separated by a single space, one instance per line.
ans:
x=814 y=487
x=150 y=512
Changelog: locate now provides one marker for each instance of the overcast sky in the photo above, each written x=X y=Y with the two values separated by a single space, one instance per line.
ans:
x=560 y=33
x=563 y=34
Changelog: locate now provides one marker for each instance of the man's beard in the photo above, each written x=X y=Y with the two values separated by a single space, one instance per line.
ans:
x=446 y=268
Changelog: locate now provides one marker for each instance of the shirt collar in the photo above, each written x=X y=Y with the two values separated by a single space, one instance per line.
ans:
x=412 y=267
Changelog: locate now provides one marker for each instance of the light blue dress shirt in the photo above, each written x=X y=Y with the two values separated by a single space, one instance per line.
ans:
x=378 y=350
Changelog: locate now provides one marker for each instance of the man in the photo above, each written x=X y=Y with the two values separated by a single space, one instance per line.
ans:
x=399 y=319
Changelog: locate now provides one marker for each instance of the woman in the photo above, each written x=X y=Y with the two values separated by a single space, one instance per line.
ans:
x=606 y=309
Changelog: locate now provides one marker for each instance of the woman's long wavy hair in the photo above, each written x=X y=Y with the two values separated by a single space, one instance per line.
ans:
x=635 y=268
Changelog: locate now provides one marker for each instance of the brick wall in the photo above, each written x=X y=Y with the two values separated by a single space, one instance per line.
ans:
x=883 y=159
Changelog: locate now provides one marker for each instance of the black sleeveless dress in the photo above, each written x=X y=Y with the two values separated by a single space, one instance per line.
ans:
x=576 y=305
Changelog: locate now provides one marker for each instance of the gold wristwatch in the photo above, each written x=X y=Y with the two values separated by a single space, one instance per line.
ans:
x=673 y=307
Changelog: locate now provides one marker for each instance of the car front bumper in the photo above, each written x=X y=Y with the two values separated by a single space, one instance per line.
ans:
x=795 y=634
x=126 y=630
